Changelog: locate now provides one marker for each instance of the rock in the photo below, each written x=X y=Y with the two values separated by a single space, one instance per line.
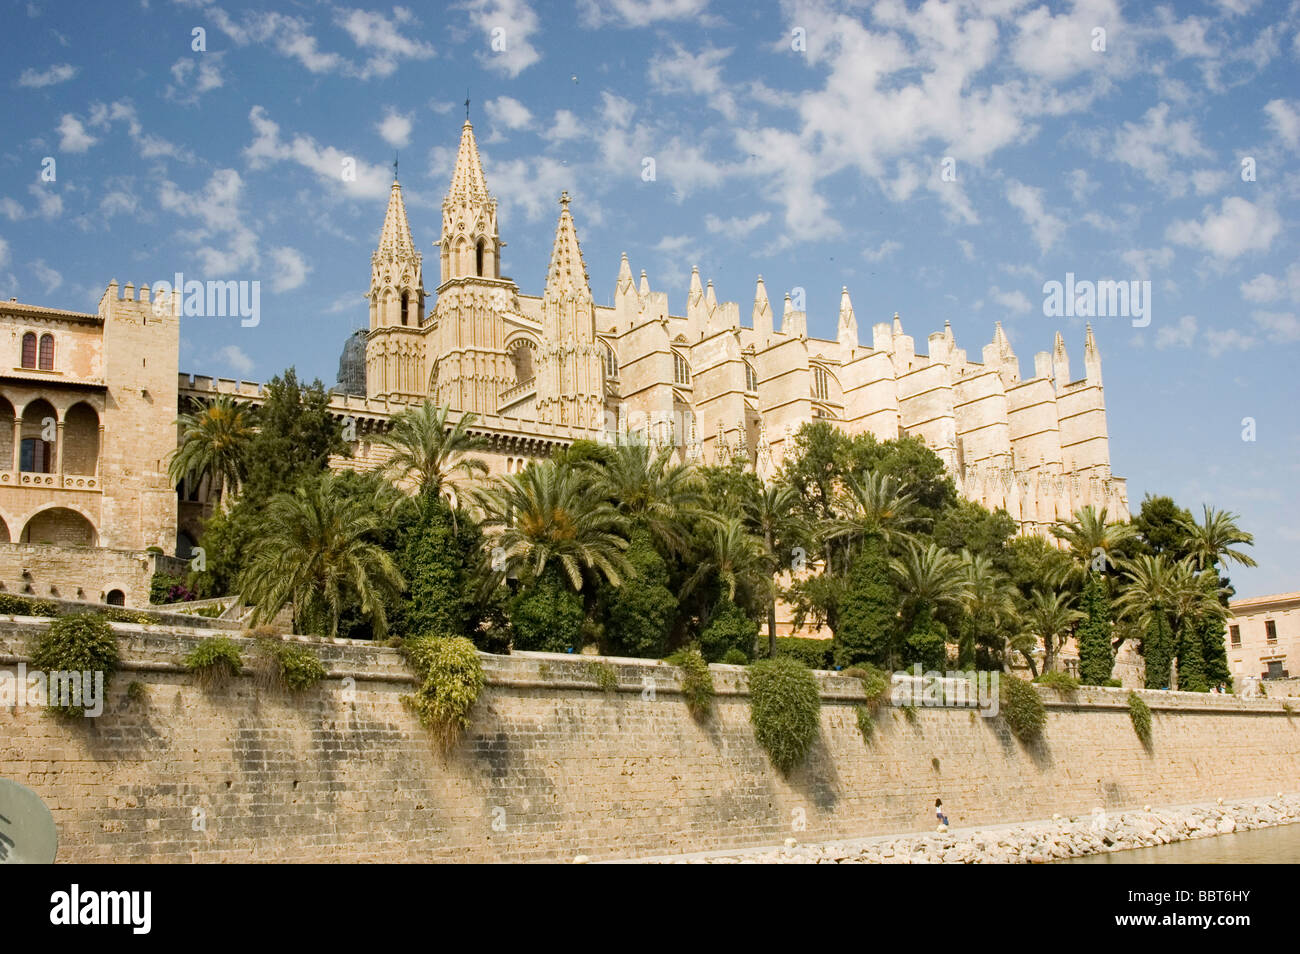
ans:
x=1226 y=827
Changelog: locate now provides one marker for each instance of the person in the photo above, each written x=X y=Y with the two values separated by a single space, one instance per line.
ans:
x=938 y=812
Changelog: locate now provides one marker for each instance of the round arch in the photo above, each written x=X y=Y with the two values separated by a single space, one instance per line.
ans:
x=62 y=525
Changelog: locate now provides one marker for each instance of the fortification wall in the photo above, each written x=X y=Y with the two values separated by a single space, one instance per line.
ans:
x=554 y=767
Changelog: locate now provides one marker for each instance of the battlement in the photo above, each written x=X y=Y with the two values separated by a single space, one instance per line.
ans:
x=127 y=301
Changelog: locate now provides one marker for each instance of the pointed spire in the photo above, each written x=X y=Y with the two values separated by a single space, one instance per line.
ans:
x=710 y=298
x=696 y=290
x=1060 y=362
x=1000 y=338
x=1091 y=358
x=846 y=308
x=395 y=237
x=898 y=324
x=567 y=273
x=848 y=329
x=762 y=316
x=467 y=181
x=947 y=333
x=645 y=284
x=624 y=284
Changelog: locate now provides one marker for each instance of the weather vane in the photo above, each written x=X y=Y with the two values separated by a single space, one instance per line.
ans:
x=466 y=105
x=394 y=164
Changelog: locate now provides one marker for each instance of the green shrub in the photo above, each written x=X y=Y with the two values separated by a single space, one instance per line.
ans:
x=866 y=724
x=11 y=605
x=697 y=680
x=1140 y=713
x=287 y=665
x=813 y=653
x=729 y=629
x=207 y=612
x=82 y=643
x=214 y=662
x=546 y=615
x=784 y=707
x=603 y=675
x=1022 y=708
x=1114 y=684
x=735 y=657
x=450 y=677
x=638 y=614
x=1060 y=681
x=875 y=683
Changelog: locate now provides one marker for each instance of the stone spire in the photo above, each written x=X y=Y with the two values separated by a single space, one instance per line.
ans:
x=644 y=288
x=1091 y=358
x=395 y=237
x=566 y=276
x=396 y=276
x=624 y=283
x=1060 y=363
x=470 y=245
x=848 y=327
x=762 y=317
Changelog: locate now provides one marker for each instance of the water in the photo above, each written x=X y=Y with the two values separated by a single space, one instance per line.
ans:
x=1280 y=845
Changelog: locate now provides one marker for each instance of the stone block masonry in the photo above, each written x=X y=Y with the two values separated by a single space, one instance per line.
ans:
x=554 y=767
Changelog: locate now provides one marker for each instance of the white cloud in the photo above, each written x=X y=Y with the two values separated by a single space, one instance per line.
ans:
x=533 y=186
x=1141 y=260
x=508 y=112
x=235 y=358
x=1047 y=228
x=1012 y=300
x=639 y=13
x=4 y=253
x=149 y=145
x=49 y=204
x=1181 y=334
x=395 y=128
x=1279 y=326
x=882 y=251
x=564 y=127
x=46 y=276
x=1152 y=145
x=369 y=181
x=39 y=79
x=73 y=136
x=1229 y=339
x=699 y=74
x=290 y=269
x=11 y=210
x=1284 y=118
x=1238 y=227
x=194 y=76
x=1264 y=287
x=1058 y=47
x=736 y=227
x=508 y=27
x=388 y=40
x=217 y=207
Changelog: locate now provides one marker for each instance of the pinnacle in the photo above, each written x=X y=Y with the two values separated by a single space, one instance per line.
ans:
x=567 y=273
x=467 y=180
x=395 y=236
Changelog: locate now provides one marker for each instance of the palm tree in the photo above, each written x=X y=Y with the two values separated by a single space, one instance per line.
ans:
x=990 y=602
x=548 y=512
x=774 y=517
x=1147 y=604
x=431 y=452
x=735 y=555
x=929 y=579
x=1090 y=536
x=314 y=549
x=1051 y=618
x=214 y=444
x=650 y=489
x=1212 y=540
x=873 y=505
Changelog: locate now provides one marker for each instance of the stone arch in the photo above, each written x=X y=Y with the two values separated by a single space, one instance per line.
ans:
x=115 y=597
x=7 y=415
x=523 y=358
x=36 y=453
x=62 y=525
x=4 y=530
x=81 y=440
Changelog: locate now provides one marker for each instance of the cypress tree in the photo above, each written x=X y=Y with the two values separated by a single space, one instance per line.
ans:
x=926 y=642
x=640 y=611
x=546 y=615
x=435 y=557
x=868 y=618
x=1096 y=659
x=1214 y=651
x=1158 y=652
x=1191 y=662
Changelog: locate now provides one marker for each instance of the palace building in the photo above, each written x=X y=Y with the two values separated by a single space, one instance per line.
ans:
x=93 y=398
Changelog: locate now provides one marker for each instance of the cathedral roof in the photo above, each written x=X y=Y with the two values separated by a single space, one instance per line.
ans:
x=467 y=181
x=396 y=234
x=567 y=273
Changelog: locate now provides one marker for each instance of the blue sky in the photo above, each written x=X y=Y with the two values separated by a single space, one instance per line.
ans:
x=805 y=141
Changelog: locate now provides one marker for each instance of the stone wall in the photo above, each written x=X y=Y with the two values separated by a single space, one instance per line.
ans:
x=75 y=573
x=554 y=767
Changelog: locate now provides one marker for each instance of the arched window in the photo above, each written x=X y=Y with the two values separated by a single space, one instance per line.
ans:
x=681 y=369
x=115 y=598
x=478 y=258
x=611 y=364
x=35 y=456
x=406 y=305
x=819 y=383
x=751 y=377
x=47 y=352
x=29 y=350
x=521 y=355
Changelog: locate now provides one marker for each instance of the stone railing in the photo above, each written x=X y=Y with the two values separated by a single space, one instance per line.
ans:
x=12 y=478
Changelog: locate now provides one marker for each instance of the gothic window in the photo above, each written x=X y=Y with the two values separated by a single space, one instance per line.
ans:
x=751 y=377
x=406 y=304
x=681 y=369
x=521 y=355
x=611 y=364
x=478 y=258
x=29 y=350
x=819 y=383
x=47 y=352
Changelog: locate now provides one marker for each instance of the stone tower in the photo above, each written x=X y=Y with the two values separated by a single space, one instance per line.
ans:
x=570 y=382
x=394 y=346
x=470 y=368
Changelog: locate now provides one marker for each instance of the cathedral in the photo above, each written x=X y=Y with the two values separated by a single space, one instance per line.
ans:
x=542 y=371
